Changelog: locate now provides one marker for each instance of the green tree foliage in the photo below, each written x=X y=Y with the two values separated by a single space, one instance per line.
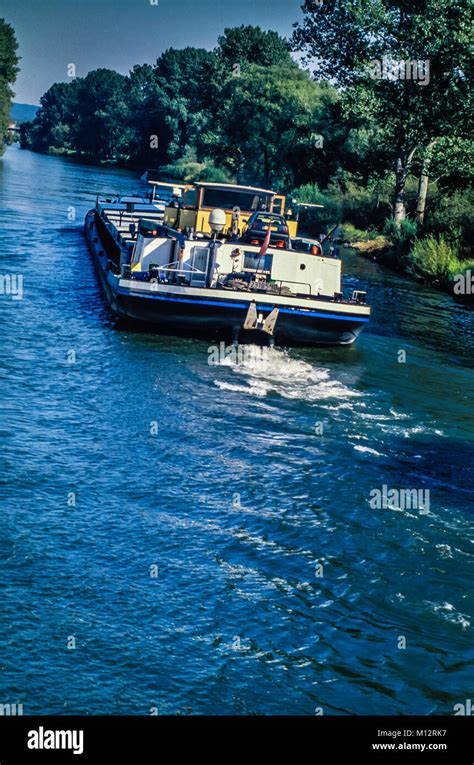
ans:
x=359 y=43
x=251 y=45
x=89 y=115
x=147 y=118
x=8 y=72
x=268 y=126
x=188 y=85
x=54 y=121
x=102 y=129
x=246 y=112
x=159 y=113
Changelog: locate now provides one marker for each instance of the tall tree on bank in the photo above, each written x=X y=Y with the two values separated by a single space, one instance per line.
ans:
x=89 y=114
x=402 y=65
x=8 y=72
x=101 y=130
x=52 y=128
x=267 y=129
x=243 y=45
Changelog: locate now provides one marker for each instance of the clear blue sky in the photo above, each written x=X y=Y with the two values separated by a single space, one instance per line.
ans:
x=120 y=33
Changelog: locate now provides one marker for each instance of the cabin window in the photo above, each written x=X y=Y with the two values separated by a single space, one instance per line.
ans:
x=228 y=199
x=190 y=199
x=199 y=263
x=254 y=261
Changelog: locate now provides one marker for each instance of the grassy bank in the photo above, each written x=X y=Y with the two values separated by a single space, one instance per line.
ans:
x=433 y=260
x=438 y=253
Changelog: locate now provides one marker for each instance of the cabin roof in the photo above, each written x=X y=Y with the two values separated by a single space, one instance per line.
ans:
x=208 y=185
x=230 y=186
x=176 y=185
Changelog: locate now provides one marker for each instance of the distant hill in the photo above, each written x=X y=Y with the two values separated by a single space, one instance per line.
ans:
x=23 y=112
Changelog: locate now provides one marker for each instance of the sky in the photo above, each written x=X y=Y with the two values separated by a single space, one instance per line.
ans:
x=117 y=34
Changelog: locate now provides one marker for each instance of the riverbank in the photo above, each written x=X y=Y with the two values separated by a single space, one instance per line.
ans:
x=382 y=250
x=448 y=274
x=91 y=160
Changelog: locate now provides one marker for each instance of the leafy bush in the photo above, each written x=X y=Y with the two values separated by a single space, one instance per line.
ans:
x=434 y=258
x=187 y=168
x=346 y=203
x=401 y=237
x=351 y=233
x=183 y=169
x=360 y=206
x=316 y=220
x=452 y=215
x=214 y=174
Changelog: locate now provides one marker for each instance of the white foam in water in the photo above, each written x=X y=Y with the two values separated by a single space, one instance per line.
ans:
x=450 y=613
x=368 y=450
x=399 y=415
x=273 y=370
x=412 y=431
x=254 y=390
x=270 y=370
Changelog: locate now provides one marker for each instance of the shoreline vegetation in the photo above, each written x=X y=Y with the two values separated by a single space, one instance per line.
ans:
x=8 y=73
x=380 y=141
x=381 y=250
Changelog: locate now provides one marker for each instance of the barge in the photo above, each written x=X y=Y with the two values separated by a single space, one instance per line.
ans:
x=223 y=262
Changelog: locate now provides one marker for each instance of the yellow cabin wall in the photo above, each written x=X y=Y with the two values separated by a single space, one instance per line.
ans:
x=199 y=220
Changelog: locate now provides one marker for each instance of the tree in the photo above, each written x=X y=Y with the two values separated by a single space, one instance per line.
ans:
x=189 y=82
x=172 y=103
x=268 y=123
x=146 y=120
x=251 y=45
x=8 y=73
x=449 y=163
x=403 y=66
x=101 y=130
x=52 y=126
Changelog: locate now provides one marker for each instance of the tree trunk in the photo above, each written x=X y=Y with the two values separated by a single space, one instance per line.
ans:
x=422 y=193
x=423 y=185
x=402 y=172
x=399 y=207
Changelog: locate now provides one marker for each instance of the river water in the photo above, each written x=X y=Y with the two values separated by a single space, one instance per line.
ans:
x=179 y=537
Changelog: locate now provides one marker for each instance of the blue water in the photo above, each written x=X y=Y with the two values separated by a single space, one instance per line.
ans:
x=236 y=499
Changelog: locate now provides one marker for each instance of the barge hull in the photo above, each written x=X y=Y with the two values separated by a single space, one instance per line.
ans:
x=208 y=320
x=220 y=317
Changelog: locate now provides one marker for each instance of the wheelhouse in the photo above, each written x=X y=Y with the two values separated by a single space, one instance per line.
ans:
x=199 y=199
